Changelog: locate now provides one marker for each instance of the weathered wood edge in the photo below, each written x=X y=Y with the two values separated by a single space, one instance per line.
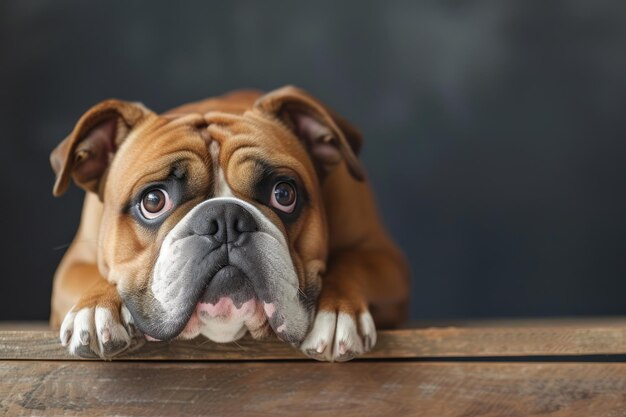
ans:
x=399 y=344
x=362 y=388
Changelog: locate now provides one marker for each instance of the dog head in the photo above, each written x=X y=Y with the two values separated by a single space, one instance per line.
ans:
x=213 y=223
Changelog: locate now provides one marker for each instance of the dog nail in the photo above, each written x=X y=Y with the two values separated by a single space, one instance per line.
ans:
x=66 y=337
x=367 y=342
x=84 y=337
x=105 y=336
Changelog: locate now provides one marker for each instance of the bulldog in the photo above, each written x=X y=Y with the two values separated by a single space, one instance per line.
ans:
x=245 y=213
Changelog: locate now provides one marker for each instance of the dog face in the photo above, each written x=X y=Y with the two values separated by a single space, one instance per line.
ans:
x=213 y=223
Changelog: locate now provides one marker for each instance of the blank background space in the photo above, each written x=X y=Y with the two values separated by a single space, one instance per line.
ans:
x=495 y=132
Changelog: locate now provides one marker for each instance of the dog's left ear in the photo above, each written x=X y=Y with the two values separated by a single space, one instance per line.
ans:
x=327 y=136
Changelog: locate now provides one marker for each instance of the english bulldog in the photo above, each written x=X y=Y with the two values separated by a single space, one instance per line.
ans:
x=245 y=213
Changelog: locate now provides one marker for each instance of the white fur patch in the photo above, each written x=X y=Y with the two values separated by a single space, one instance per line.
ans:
x=337 y=337
x=83 y=333
x=67 y=327
x=109 y=330
x=368 y=330
x=127 y=318
x=221 y=189
x=224 y=332
x=347 y=337
x=94 y=332
x=321 y=335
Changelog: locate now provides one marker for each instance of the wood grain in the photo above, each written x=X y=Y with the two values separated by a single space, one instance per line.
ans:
x=366 y=388
x=251 y=378
x=409 y=343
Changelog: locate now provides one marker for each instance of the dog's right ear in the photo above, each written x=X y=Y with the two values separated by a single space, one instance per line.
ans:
x=87 y=152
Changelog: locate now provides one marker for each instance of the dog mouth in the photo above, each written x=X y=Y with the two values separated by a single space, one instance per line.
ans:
x=221 y=285
x=228 y=281
x=229 y=307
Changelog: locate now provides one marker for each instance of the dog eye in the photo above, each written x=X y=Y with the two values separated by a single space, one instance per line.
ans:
x=283 y=197
x=155 y=202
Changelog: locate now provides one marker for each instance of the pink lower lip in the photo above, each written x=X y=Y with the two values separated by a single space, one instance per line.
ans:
x=269 y=309
x=227 y=309
x=223 y=307
x=251 y=312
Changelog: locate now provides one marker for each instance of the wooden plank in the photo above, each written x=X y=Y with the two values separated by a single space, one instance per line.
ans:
x=601 y=321
x=584 y=321
x=408 y=343
x=366 y=388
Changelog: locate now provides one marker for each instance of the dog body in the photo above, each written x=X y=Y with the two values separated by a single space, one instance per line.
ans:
x=243 y=213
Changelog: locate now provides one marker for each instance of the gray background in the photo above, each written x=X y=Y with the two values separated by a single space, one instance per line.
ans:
x=494 y=131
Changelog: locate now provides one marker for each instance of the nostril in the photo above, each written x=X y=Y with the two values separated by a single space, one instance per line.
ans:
x=213 y=227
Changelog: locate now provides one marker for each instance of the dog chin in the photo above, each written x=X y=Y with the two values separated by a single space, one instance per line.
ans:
x=226 y=321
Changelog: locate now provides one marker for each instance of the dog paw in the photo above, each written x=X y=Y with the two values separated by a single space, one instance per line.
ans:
x=337 y=336
x=92 y=332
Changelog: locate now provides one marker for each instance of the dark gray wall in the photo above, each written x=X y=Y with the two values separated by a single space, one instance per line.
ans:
x=495 y=131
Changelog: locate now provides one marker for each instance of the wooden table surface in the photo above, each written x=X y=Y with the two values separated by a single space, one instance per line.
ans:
x=498 y=368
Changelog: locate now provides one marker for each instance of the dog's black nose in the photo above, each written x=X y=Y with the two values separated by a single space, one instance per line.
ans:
x=227 y=222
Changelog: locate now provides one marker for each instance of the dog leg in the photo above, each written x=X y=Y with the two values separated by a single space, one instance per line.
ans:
x=99 y=325
x=344 y=327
